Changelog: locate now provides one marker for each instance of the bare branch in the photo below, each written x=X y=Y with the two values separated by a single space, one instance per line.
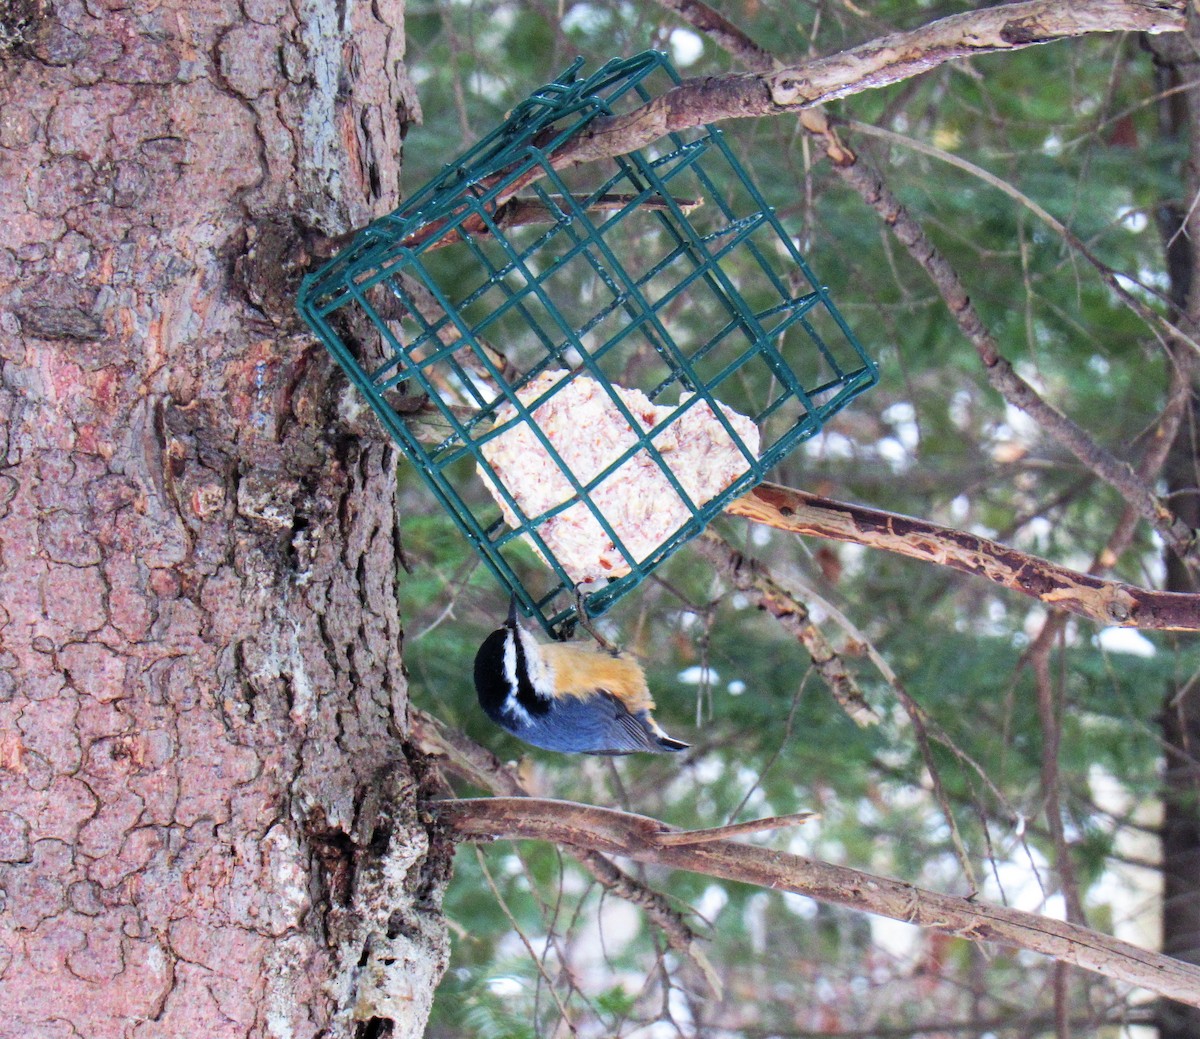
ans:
x=1004 y=27
x=757 y=581
x=887 y=60
x=639 y=838
x=1100 y=600
x=1000 y=372
x=878 y=63
x=478 y=765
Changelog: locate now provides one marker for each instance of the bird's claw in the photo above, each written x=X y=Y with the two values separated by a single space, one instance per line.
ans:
x=582 y=616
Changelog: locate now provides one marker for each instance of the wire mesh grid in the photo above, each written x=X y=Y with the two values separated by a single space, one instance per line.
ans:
x=519 y=297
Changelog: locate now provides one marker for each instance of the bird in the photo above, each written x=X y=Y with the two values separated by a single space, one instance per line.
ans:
x=566 y=696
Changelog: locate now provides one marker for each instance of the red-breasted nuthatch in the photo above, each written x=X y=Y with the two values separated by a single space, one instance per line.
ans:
x=566 y=696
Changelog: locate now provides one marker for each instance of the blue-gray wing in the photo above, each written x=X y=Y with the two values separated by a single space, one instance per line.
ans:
x=599 y=724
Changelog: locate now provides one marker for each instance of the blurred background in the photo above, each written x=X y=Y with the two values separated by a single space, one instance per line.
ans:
x=1084 y=130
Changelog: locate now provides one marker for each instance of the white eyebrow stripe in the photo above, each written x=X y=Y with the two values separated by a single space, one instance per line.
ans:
x=541 y=676
x=510 y=662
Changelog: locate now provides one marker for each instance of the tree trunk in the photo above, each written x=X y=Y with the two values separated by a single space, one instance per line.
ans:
x=207 y=817
x=1179 y=222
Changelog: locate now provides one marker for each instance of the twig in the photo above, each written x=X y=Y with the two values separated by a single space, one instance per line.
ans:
x=1109 y=275
x=512 y=920
x=1037 y=657
x=1016 y=21
x=673 y=838
x=757 y=582
x=517 y=212
x=621 y=833
x=923 y=722
x=999 y=370
x=723 y=32
x=1016 y=1022
x=878 y=63
x=754 y=579
x=788 y=727
x=1050 y=723
x=924 y=728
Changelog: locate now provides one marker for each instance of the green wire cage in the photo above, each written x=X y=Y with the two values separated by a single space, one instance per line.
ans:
x=586 y=359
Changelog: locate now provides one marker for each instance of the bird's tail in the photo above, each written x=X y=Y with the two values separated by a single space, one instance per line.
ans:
x=664 y=741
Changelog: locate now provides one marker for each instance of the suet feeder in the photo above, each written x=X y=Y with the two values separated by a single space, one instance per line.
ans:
x=589 y=359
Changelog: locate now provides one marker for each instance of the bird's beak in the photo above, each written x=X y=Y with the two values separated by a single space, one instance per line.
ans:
x=512 y=612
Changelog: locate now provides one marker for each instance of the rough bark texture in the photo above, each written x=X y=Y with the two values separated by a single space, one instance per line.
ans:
x=200 y=673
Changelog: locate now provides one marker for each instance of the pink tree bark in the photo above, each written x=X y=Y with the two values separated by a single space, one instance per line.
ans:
x=200 y=671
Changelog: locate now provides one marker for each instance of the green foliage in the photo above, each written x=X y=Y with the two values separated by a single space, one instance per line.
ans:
x=468 y=1003
x=1070 y=127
